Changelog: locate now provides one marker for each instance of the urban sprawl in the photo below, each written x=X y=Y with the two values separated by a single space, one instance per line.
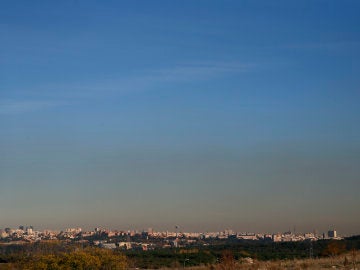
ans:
x=150 y=239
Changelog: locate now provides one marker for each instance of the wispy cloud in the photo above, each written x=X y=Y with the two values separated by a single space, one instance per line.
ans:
x=331 y=45
x=199 y=71
x=56 y=94
x=24 y=106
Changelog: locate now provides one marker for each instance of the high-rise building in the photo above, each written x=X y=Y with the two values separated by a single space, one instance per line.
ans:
x=332 y=234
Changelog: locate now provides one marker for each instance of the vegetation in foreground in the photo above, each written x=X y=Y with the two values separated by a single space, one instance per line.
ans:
x=59 y=256
x=347 y=261
x=256 y=250
x=54 y=255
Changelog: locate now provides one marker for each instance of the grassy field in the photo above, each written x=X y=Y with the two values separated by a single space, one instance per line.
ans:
x=347 y=261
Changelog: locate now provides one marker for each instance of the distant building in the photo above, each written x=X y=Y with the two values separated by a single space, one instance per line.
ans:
x=108 y=245
x=73 y=230
x=276 y=237
x=247 y=236
x=3 y=234
x=332 y=234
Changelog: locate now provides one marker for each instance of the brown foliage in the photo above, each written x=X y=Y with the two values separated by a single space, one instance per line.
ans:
x=227 y=261
x=87 y=259
x=334 y=248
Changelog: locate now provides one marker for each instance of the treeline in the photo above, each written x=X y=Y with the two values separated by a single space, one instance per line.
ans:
x=263 y=251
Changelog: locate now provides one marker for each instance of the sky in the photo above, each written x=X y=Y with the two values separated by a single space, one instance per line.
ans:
x=203 y=114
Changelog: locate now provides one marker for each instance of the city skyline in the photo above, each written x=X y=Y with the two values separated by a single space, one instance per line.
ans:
x=203 y=114
x=169 y=232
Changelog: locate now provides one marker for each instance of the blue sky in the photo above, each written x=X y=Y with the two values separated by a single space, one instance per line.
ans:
x=204 y=114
